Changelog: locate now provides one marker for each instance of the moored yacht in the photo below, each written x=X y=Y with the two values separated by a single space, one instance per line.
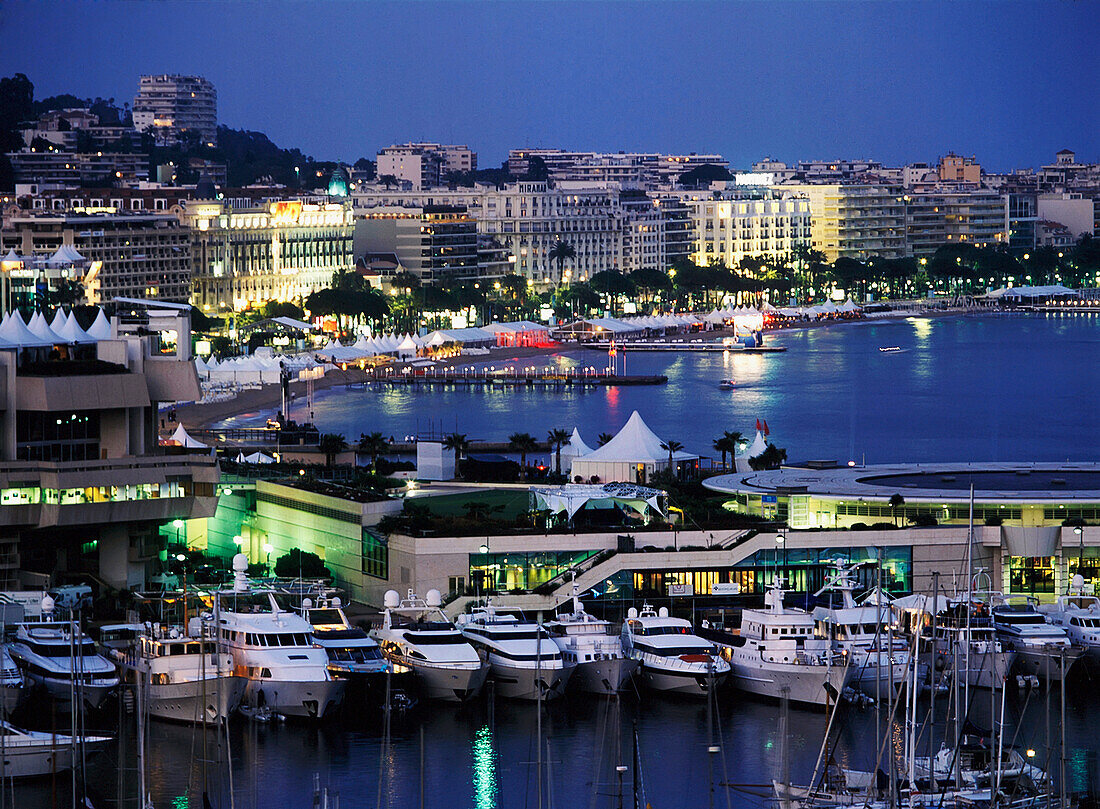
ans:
x=1079 y=616
x=524 y=662
x=775 y=654
x=670 y=656
x=1042 y=650
x=415 y=634
x=186 y=679
x=60 y=658
x=29 y=753
x=966 y=641
x=861 y=631
x=353 y=655
x=589 y=644
x=13 y=688
x=272 y=650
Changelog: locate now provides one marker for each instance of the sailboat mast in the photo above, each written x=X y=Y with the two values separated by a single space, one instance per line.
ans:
x=969 y=586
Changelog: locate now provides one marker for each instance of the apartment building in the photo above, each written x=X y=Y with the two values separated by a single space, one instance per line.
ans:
x=955 y=168
x=854 y=220
x=638 y=169
x=76 y=169
x=643 y=233
x=246 y=252
x=135 y=255
x=84 y=484
x=174 y=107
x=949 y=215
x=736 y=227
x=434 y=242
x=420 y=168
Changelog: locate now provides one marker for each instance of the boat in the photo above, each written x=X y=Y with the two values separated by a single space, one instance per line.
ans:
x=1079 y=616
x=59 y=657
x=862 y=631
x=524 y=663
x=975 y=765
x=30 y=753
x=353 y=655
x=1042 y=649
x=591 y=646
x=186 y=678
x=892 y=349
x=272 y=650
x=726 y=384
x=776 y=654
x=671 y=657
x=416 y=635
x=966 y=641
x=13 y=688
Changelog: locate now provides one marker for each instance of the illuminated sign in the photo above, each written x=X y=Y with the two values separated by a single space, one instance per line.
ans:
x=755 y=178
x=285 y=213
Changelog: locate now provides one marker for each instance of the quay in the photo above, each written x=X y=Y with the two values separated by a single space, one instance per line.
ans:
x=667 y=346
x=513 y=377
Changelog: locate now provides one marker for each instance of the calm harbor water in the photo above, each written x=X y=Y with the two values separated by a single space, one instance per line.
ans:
x=977 y=387
x=485 y=758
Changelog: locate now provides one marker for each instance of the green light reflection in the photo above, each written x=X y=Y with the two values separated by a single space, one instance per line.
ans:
x=485 y=771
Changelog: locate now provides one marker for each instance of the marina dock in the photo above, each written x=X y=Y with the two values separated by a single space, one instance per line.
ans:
x=667 y=346
x=530 y=378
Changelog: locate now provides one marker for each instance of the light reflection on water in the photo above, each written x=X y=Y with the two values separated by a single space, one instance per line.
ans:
x=988 y=387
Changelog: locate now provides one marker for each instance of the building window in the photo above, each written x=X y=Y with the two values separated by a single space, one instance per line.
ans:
x=1031 y=574
x=376 y=555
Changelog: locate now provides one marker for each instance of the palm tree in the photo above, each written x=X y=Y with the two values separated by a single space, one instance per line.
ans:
x=457 y=442
x=896 y=502
x=603 y=438
x=522 y=443
x=671 y=447
x=557 y=439
x=373 y=444
x=729 y=442
x=332 y=444
x=559 y=253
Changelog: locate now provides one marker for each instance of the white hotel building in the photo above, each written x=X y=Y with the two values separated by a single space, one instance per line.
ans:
x=730 y=229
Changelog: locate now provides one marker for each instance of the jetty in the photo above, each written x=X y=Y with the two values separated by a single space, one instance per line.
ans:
x=511 y=378
x=666 y=345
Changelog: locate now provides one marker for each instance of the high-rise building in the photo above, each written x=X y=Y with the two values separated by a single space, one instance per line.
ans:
x=434 y=242
x=855 y=221
x=175 y=107
x=245 y=252
x=737 y=227
x=948 y=215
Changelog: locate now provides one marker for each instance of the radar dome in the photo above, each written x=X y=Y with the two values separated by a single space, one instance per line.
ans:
x=433 y=598
x=663 y=612
x=336 y=602
x=307 y=603
x=391 y=600
x=1078 y=582
x=47 y=604
x=240 y=563
x=632 y=612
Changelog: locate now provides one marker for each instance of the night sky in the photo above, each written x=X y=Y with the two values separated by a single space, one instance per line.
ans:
x=1009 y=82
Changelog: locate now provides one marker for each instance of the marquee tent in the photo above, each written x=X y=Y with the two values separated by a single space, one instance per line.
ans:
x=632 y=455
x=181 y=437
x=571 y=498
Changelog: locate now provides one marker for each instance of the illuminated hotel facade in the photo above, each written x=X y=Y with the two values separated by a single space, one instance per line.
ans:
x=729 y=230
x=272 y=251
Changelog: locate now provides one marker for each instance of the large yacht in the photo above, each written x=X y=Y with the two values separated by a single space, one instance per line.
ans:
x=271 y=647
x=60 y=658
x=670 y=656
x=353 y=655
x=524 y=662
x=186 y=679
x=776 y=654
x=966 y=641
x=861 y=631
x=590 y=645
x=29 y=753
x=1079 y=616
x=417 y=635
x=13 y=688
x=1042 y=650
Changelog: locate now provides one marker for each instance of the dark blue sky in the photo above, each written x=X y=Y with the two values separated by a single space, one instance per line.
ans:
x=1009 y=82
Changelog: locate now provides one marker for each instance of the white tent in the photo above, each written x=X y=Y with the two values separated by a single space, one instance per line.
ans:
x=633 y=454
x=571 y=498
x=181 y=437
x=849 y=306
x=59 y=320
x=101 y=328
x=575 y=448
x=72 y=333
x=40 y=328
x=13 y=330
x=256 y=457
x=757 y=447
x=407 y=348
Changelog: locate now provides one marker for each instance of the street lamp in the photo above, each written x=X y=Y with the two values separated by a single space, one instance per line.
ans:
x=779 y=539
x=268 y=548
x=1081 y=552
x=483 y=549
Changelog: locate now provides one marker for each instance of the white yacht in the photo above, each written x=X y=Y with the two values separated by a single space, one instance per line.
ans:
x=415 y=634
x=186 y=679
x=967 y=640
x=60 y=658
x=1079 y=616
x=670 y=656
x=524 y=662
x=353 y=655
x=29 y=753
x=776 y=654
x=861 y=632
x=1042 y=650
x=590 y=645
x=13 y=688
x=975 y=764
x=271 y=647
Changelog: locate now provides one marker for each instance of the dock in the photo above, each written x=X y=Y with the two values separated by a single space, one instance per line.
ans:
x=554 y=379
x=667 y=346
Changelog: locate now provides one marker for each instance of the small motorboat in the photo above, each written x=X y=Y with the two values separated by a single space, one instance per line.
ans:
x=726 y=384
x=892 y=349
x=28 y=753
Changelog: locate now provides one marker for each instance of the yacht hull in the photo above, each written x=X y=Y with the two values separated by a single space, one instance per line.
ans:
x=694 y=684
x=875 y=680
x=515 y=682
x=311 y=699
x=603 y=676
x=41 y=757
x=450 y=684
x=988 y=669
x=11 y=696
x=1044 y=663
x=61 y=689
x=194 y=702
x=810 y=685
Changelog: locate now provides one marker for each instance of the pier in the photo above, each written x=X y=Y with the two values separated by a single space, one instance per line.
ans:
x=553 y=378
x=700 y=346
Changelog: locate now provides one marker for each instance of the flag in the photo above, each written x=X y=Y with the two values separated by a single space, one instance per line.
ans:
x=758 y=427
x=766 y=430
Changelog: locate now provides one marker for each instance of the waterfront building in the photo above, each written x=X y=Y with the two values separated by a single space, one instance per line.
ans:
x=857 y=221
x=1021 y=222
x=246 y=254
x=950 y=215
x=648 y=170
x=434 y=242
x=735 y=227
x=1075 y=210
x=84 y=485
x=78 y=169
x=136 y=255
x=955 y=168
x=175 y=107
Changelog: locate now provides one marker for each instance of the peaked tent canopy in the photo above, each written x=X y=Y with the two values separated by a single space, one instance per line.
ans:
x=181 y=437
x=633 y=454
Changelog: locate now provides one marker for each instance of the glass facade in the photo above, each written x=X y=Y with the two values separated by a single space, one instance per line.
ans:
x=376 y=555
x=65 y=436
x=520 y=570
x=1031 y=574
